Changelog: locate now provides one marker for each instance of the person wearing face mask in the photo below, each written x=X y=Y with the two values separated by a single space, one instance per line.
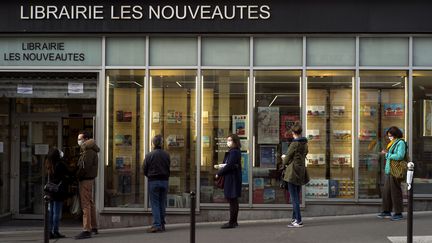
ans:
x=87 y=172
x=392 y=192
x=57 y=173
x=232 y=178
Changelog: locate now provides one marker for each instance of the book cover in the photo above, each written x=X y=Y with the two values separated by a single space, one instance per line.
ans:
x=127 y=116
x=119 y=116
x=119 y=162
x=333 y=188
x=268 y=125
x=175 y=161
x=156 y=117
x=258 y=196
x=258 y=183
x=338 y=110
x=268 y=156
x=269 y=195
x=239 y=125
x=287 y=121
x=206 y=141
x=245 y=168
x=171 y=117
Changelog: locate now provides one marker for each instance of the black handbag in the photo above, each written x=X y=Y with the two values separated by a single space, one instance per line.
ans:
x=282 y=183
x=52 y=187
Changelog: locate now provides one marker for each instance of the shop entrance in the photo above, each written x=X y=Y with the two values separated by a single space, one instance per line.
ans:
x=46 y=110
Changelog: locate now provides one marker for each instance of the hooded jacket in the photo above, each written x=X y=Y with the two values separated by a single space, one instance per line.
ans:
x=88 y=161
x=295 y=158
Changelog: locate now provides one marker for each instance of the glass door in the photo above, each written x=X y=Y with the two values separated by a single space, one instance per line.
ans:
x=36 y=137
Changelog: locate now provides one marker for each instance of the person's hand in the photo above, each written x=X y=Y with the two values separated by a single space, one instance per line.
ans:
x=384 y=151
x=283 y=156
x=216 y=176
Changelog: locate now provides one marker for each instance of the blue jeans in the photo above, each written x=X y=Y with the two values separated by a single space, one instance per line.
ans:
x=55 y=214
x=294 y=191
x=158 y=199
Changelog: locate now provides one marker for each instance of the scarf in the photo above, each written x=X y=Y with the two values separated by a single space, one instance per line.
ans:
x=390 y=144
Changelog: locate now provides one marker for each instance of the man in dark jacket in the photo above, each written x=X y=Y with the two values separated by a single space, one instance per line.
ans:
x=87 y=172
x=157 y=170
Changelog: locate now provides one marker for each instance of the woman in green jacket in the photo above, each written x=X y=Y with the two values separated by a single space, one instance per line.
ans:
x=295 y=172
x=392 y=192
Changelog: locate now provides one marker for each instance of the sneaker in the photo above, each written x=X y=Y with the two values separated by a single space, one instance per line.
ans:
x=153 y=230
x=57 y=235
x=396 y=217
x=228 y=226
x=95 y=231
x=384 y=215
x=295 y=224
x=83 y=235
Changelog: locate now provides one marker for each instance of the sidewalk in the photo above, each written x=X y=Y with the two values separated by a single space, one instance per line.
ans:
x=344 y=229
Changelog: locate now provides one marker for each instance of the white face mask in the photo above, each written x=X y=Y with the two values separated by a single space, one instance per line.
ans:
x=80 y=142
x=61 y=154
x=391 y=138
x=229 y=144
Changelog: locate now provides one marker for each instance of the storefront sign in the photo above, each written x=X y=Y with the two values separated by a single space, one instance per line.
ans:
x=50 y=51
x=204 y=16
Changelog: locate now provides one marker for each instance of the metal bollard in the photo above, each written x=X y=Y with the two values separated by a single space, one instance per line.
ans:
x=192 y=216
x=46 y=219
x=409 y=181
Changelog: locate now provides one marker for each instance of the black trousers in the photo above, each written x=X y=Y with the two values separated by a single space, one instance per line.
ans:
x=392 y=195
x=234 y=209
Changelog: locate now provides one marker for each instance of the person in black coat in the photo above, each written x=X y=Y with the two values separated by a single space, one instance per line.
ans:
x=57 y=173
x=231 y=171
x=157 y=169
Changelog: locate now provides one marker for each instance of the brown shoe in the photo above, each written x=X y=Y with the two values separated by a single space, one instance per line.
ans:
x=153 y=230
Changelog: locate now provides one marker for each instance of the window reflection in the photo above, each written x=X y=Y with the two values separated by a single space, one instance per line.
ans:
x=173 y=95
x=329 y=131
x=224 y=112
x=123 y=177
x=382 y=105
x=277 y=108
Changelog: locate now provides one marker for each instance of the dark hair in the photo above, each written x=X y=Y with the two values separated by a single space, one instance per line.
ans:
x=51 y=160
x=395 y=132
x=86 y=135
x=157 y=141
x=236 y=140
x=297 y=129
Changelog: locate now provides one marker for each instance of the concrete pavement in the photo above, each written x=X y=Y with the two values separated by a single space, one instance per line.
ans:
x=346 y=229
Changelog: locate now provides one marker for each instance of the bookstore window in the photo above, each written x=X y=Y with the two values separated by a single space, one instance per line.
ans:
x=5 y=143
x=124 y=179
x=329 y=131
x=277 y=108
x=224 y=111
x=422 y=131
x=382 y=105
x=173 y=96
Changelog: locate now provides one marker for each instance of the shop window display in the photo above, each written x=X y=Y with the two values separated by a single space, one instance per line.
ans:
x=224 y=111
x=172 y=102
x=382 y=105
x=124 y=179
x=277 y=108
x=329 y=131
x=422 y=131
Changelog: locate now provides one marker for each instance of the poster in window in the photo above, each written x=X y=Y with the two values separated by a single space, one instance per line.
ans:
x=268 y=125
x=245 y=168
x=287 y=121
x=268 y=156
x=427 y=117
x=239 y=125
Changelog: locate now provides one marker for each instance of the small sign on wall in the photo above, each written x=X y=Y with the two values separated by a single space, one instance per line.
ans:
x=41 y=149
x=75 y=88
x=25 y=89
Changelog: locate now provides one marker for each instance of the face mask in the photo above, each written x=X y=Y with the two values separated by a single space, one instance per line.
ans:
x=80 y=142
x=391 y=138
x=229 y=144
x=61 y=154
